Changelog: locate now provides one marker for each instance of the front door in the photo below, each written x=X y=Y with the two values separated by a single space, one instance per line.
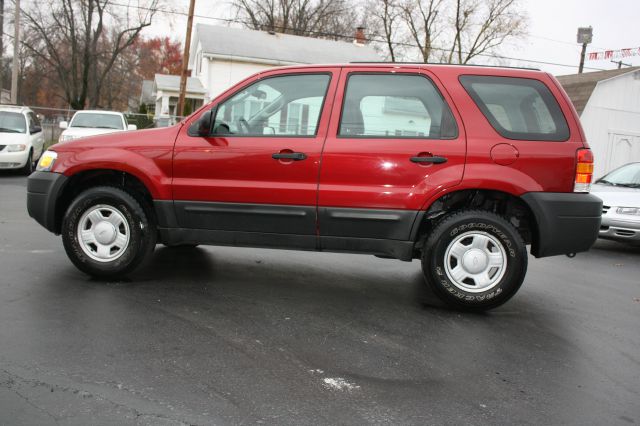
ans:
x=257 y=173
x=395 y=143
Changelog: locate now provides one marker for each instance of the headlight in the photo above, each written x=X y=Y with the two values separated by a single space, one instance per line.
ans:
x=628 y=210
x=16 y=148
x=46 y=161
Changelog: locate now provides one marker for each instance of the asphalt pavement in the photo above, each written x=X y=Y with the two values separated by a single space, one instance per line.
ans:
x=233 y=336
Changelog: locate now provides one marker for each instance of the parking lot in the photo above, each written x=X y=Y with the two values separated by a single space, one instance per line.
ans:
x=218 y=335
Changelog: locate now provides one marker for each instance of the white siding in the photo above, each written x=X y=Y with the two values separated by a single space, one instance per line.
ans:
x=222 y=74
x=611 y=121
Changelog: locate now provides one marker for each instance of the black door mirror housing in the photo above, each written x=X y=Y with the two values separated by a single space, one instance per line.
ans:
x=202 y=126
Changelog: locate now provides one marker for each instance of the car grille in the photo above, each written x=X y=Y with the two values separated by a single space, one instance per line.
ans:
x=2 y=147
x=605 y=209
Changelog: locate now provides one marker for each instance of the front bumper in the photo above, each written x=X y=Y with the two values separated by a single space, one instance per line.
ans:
x=13 y=160
x=43 y=192
x=619 y=227
x=566 y=222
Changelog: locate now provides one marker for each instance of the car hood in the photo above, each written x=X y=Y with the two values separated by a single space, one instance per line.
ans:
x=618 y=196
x=81 y=132
x=153 y=137
x=12 y=138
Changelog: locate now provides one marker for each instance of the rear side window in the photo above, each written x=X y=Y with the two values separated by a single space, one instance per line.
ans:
x=395 y=106
x=518 y=108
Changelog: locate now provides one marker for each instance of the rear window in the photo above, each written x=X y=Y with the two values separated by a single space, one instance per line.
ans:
x=518 y=108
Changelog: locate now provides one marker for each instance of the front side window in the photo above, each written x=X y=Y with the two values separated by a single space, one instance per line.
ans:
x=518 y=108
x=395 y=106
x=97 y=121
x=277 y=106
x=12 y=122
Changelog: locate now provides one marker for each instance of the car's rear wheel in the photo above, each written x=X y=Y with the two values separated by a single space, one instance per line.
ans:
x=474 y=260
x=106 y=233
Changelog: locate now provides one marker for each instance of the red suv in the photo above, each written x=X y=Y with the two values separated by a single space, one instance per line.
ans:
x=459 y=166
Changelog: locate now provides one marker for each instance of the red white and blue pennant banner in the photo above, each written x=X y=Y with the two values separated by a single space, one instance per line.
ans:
x=614 y=54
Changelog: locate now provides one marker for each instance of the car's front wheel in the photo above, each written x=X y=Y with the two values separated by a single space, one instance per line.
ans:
x=27 y=169
x=474 y=260
x=106 y=233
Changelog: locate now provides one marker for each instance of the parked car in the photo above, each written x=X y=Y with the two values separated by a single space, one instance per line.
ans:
x=459 y=166
x=620 y=194
x=91 y=123
x=21 y=139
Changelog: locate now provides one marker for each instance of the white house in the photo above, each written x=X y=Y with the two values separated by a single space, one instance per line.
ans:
x=609 y=106
x=222 y=56
x=166 y=91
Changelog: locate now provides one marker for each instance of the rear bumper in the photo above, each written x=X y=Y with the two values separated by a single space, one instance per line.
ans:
x=566 y=222
x=43 y=192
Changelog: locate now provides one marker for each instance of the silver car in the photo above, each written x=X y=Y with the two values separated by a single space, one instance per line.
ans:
x=620 y=194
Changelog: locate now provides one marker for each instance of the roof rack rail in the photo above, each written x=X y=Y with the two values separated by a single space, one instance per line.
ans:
x=441 y=64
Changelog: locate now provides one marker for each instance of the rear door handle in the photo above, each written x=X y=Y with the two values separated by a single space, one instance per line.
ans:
x=433 y=159
x=295 y=156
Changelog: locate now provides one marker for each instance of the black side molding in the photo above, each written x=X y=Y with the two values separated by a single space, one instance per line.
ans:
x=566 y=222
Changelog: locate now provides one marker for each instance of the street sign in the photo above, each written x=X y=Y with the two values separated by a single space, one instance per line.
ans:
x=585 y=35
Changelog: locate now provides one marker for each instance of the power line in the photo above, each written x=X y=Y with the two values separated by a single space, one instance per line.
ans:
x=342 y=36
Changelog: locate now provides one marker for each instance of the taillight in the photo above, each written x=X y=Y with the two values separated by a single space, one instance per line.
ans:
x=584 y=170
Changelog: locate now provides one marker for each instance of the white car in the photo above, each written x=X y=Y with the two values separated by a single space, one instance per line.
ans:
x=620 y=194
x=92 y=123
x=21 y=138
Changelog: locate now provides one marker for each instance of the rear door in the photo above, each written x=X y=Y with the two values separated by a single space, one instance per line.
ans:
x=394 y=142
x=258 y=171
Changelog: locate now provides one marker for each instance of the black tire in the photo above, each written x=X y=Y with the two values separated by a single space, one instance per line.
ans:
x=27 y=169
x=142 y=232
x=472 y=223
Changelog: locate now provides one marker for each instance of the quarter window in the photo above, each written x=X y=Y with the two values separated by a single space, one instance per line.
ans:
x=518 y=108
x=281 y=106
x=395 y=106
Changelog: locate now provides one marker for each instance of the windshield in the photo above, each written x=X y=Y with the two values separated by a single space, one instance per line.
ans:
x=12 y=122
x=628 y=175
x=97 y=121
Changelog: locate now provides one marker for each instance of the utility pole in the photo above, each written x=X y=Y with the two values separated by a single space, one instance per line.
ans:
x=185 y=61
x=16 y=55
x=585 y=35
x=1 y=48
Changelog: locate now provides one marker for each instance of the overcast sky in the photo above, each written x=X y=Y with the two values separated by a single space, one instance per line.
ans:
x=552 y=30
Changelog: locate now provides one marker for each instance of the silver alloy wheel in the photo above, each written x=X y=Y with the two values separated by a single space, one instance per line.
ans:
x=475 y=261
x=103 y=233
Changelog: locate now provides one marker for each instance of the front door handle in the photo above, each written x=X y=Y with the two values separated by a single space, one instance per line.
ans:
x=434 y=159
x=295 y=156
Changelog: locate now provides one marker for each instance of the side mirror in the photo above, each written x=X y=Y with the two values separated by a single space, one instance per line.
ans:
x=203 y=125
x=64 y=125
x=35 y=129
x=132 y=127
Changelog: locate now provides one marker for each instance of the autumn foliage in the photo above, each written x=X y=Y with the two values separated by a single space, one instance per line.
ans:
x=158 y=55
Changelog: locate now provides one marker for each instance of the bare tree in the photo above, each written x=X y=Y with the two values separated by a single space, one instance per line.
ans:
x=422 y=20
x=82 y=40
x=386 y=13
x=452 y=31
x=333 y=19
x=481 y=26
